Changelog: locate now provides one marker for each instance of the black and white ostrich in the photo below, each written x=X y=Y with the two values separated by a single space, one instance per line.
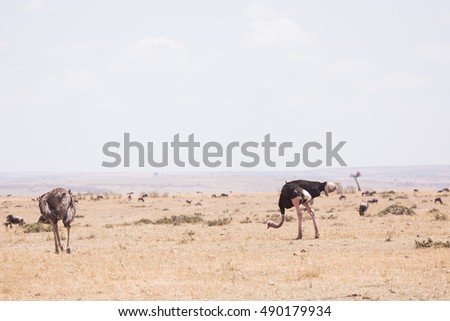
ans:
x=301 y=192
x=58 y=204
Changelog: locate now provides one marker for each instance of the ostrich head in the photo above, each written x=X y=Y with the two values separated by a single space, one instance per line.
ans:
x=329 y=188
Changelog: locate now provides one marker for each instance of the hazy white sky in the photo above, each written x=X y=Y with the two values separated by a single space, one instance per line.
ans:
x=77 y=74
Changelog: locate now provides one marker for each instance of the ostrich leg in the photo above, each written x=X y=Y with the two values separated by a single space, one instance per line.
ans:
x=68 y=240
x=296 y=204
x=56 y=237
x=313 y=217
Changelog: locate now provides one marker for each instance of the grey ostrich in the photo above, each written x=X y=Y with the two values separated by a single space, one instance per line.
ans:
x=58 y=204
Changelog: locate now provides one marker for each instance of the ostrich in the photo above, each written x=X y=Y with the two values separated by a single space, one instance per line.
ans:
x=301 y=192
x=363 y=208
x=355 y=176
x=58 y=204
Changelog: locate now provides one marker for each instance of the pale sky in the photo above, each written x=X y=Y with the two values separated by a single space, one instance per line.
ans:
x=77 y=74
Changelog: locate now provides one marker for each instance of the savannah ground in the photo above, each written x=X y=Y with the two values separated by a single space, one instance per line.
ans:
x=120 y=251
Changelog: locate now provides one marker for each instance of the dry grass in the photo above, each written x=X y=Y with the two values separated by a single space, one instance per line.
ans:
x=164 y=249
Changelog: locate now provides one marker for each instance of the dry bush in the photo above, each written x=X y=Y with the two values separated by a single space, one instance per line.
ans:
x=177 y=220
x=143 y=221
x=153 y=195
x=430 y=243
x=36 y=228
x=396 y=210
x=438 y=215
x=219 y=221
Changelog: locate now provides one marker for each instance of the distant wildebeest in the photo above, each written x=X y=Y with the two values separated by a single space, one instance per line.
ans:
x=368 y=193
x=213 y=196
x=189 y=202
x=224 y=195
x=363 y=206
x=416 y=190
x=58 y=204
x=141 y=199
x=445 y=190
x=129 y=197
x=198 y=204
x=438 y=200
x=12 y=219
x=373 y=200
x=342 y=197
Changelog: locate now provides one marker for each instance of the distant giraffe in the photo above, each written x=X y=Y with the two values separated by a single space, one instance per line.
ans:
x=58 y=204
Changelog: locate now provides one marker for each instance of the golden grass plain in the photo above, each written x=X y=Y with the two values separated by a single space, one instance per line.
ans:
x=115 y=258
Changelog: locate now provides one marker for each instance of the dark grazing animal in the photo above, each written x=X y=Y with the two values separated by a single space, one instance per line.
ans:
x=301 y=192
x=363 y=208
x=438 y=200
x=224 y=195
x=189 y=202
x=342 y=197
x=58 y=204
x=373 y=200
x=141 y=199
x=12 y=219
